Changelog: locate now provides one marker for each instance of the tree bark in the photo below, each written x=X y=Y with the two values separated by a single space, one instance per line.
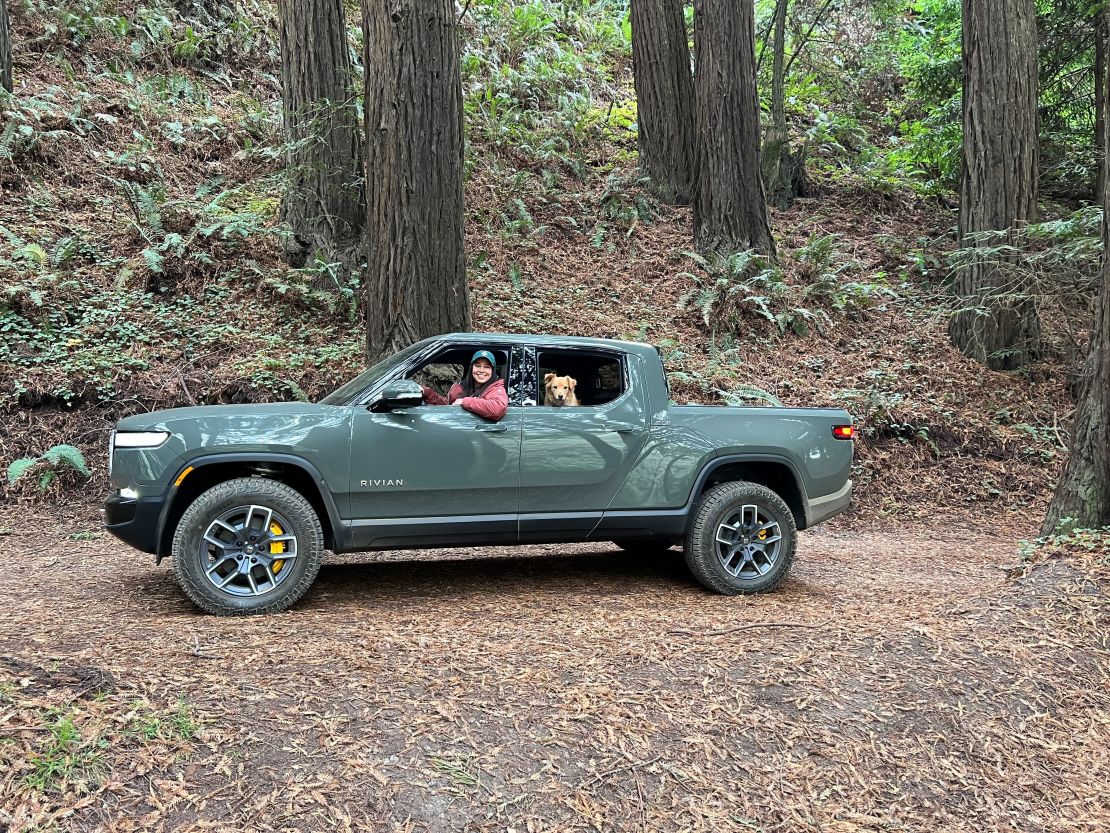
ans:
x=998 y=324
x=416 y=276
x=783 y=170
x=664 y=98
x=1101 y=33
x=1083 y=492
x=5 y=48
x=730 y=210
x=324 y=201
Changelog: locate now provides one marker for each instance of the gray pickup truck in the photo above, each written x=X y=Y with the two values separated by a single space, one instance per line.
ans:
x=246 y=497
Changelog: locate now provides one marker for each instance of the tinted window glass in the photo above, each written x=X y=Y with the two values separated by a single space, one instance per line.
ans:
x=597 y=378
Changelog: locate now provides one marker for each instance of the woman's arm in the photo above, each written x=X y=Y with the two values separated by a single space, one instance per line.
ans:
x=490 y=405
x=433 y=398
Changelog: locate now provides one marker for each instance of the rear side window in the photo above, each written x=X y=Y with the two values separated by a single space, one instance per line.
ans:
x=598 y=377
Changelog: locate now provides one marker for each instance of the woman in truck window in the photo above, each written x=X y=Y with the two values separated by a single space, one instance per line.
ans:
x=480 y=391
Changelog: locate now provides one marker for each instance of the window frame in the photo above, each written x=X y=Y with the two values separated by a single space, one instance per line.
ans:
x=619 y=356
x=425 y=356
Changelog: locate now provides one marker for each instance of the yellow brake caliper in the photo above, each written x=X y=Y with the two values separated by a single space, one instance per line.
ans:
x=762 y=536
x=277 y=548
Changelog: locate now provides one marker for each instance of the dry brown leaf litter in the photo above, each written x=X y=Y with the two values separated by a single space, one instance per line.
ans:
x=521 y=689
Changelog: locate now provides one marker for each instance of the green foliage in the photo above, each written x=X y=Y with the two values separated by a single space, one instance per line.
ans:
x=148 y=725
x=49 y=465
x=732 y=289
x=1054 y=260
x=187 y=34
x=531 y=72
x=66 y=761
x=1067 y=538
x=742 y=395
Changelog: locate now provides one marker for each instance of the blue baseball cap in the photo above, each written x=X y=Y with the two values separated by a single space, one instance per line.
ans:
x=484 y=354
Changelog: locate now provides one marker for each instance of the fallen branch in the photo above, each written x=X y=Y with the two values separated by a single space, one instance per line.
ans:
x=633 y=765
x=750 y=627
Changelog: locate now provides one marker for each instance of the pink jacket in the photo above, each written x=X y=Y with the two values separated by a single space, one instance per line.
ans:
x=491 y=405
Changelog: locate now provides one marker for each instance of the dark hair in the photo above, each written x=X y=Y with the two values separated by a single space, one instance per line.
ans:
x=470 y=388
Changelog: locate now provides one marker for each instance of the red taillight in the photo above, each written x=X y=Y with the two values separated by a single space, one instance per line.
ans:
x=844 y=432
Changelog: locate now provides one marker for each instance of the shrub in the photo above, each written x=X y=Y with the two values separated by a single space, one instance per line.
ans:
x=49 y=465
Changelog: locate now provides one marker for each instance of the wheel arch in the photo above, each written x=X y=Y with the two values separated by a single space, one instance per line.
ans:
x=776 y=473
x=210 y=470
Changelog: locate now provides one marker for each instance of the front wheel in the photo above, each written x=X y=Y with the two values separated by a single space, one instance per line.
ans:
x=741 y=540
x=248 y=545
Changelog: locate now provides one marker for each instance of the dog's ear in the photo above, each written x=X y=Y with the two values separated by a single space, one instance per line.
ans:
x=547 y=378
x=571 y=382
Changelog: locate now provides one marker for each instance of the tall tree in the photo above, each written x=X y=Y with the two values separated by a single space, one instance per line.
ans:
x=1101 y=31
x=5 y=48
x=783 y=169
x=324 y=202
x=1083 y=492
x=998 y=324
x=416 y=276
x=730 y=210
x=664 y=98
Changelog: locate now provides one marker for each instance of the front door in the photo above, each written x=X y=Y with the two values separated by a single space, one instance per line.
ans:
x=434 y=474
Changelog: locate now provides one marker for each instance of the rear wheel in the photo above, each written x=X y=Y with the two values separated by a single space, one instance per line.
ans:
x=249 y=545
x=741 y=540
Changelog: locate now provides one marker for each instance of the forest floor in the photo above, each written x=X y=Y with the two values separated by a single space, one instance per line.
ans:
x=913 y=673
x=899 y=680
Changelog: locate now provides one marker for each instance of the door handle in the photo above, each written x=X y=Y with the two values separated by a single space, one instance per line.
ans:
x=621 y=427
x=496 y=428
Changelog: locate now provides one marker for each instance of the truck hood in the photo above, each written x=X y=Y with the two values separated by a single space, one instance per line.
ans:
x=278 y=426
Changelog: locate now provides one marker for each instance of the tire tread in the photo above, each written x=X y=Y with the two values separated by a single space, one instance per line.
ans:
x=702 y=559
x=296 y=507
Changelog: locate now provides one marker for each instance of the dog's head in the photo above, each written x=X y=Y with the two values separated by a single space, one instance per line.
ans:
x=559 y=389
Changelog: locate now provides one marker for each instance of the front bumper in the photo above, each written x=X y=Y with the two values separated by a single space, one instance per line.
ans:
x=823 y=508
x=135 y=521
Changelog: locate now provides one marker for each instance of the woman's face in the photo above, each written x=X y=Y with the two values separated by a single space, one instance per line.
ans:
x=481 y=370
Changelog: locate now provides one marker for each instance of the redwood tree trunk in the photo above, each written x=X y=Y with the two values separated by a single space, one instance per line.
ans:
x=730 y=211
x=783 y=170
x=1101 y=32
x=416 y=275
x=5 y=48
x=1083 y=493
x=664 y=98
x=324 y=198
x=998 y=191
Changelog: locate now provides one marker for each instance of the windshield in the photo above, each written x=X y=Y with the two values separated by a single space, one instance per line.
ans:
x=346 y=394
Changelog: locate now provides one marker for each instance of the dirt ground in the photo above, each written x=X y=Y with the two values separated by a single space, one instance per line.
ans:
x=898 y=680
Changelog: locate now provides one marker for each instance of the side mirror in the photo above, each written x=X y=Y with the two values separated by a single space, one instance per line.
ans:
x=400 y=393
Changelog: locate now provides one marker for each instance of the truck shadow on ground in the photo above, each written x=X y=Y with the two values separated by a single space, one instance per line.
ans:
x=604 y=572
x=419 y=574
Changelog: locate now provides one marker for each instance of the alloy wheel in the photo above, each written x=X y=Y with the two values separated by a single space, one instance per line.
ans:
x=246 y=551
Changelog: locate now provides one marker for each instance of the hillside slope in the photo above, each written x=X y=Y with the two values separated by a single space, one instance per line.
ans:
x=142 y=257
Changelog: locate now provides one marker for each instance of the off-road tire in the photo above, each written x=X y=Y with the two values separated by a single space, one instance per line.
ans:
x=716 y=507
x=287 y=501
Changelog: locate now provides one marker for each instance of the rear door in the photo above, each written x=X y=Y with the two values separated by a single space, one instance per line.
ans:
x=574 y=458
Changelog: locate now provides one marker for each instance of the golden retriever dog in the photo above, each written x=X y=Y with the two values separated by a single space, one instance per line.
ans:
x=559 y=390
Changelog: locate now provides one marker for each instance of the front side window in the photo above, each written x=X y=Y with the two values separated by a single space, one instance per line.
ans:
x=350 y=392
x=448 y=366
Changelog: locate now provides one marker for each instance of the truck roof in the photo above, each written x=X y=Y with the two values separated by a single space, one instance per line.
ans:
x=552 y=341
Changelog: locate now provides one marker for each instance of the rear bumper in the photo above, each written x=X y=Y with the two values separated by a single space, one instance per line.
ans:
x=823 y=508
x=134 y=520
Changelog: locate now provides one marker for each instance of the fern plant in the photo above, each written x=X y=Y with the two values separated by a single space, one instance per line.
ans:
x=49 y=465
